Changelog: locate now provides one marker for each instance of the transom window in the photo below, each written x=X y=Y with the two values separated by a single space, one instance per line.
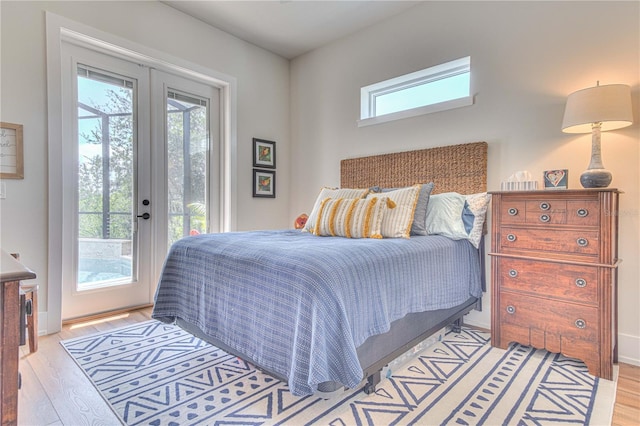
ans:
x=433 y=89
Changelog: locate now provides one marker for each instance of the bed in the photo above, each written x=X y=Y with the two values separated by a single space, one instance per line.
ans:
x=323 y=313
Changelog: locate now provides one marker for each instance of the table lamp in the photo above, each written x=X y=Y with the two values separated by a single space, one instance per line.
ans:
x=594 y=110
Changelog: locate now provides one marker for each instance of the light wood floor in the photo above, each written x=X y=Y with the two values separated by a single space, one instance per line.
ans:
x=627 y=408
x=55 y=391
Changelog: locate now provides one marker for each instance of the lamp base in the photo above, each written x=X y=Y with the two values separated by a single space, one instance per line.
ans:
x=595 y=178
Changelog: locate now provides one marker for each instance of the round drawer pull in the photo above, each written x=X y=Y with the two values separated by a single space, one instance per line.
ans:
x=580 y=282
x=511 y=310
x=580 y=323
x=583 y=212
x=512 y=211
x=545 y=218
x=582 y=242
x=511 y=237
x=545 y=206
x=513 y=273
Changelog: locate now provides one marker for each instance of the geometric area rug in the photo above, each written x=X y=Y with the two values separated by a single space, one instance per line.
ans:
x=157 y=374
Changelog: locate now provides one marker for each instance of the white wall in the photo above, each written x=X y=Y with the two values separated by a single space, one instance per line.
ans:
x=262 y=106
x=526 y=57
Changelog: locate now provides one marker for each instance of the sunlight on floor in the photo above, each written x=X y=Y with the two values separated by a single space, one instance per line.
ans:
x=98 y=321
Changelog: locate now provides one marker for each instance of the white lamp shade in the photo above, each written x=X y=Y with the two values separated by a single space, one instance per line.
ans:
x=609 y=105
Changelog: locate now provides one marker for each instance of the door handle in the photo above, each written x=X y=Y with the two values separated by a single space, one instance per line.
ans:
x=145 y=216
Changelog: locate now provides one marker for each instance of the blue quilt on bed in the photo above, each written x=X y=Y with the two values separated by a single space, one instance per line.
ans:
x=299 y=305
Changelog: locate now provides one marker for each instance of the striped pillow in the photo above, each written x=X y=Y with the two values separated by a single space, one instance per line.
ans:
x=351 y=218
x=331 y=193
x=397 y=222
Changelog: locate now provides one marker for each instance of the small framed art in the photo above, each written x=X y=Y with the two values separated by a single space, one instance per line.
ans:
x=11 y=160
x=264 y=183
x=556 y=179
x=264 y=153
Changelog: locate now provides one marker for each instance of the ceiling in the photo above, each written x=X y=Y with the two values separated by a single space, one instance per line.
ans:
x=290 y=28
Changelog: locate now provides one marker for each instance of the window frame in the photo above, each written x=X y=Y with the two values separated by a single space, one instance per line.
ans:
x=449 y=69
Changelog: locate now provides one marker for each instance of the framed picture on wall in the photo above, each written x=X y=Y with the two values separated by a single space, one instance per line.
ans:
x=264 y=153
x=11 y=160
x=264 y=183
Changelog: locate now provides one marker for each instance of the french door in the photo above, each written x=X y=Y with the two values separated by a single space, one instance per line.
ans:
x=142 y=154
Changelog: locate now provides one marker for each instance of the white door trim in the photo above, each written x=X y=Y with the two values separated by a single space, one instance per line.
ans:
x=58 y=29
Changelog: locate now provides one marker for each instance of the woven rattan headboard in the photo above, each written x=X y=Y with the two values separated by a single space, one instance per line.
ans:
x=459 y=168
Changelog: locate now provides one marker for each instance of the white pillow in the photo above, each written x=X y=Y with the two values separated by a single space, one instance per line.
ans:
x=458 y=216
x=348 y=193
x=397 y=222
x=478 y=205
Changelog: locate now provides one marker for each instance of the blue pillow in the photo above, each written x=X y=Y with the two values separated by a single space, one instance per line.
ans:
x=468 y=217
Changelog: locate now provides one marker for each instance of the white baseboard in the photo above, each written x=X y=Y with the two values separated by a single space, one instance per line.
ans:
x=477 y=320
x=42 y=323
x=629 y=349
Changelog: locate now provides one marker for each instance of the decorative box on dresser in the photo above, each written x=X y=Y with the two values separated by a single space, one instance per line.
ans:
x=554 y=263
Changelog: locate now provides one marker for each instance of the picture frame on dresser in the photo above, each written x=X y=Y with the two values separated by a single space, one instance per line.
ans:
x=556 y=179
x=554 y=260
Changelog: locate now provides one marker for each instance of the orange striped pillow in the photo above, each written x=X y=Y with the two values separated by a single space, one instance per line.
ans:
x=351 y=218
x=331 y=193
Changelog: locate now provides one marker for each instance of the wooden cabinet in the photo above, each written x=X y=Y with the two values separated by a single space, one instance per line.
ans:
x=554 y=261
x=11 y=273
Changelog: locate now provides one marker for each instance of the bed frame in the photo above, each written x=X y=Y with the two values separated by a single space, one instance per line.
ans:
x=459 y=168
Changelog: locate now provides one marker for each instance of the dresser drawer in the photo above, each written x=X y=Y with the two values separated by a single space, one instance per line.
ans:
x=550 y=240
x=550 y=211
x=583 y=213
x=546 y=211
x=559 y=280
x=555 y=317
x=513 y=211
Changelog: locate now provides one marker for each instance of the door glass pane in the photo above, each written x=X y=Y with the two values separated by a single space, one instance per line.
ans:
x=187 y=173
x=105 y=179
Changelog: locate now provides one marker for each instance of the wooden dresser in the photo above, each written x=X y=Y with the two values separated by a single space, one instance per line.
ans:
x=554 y=273
x=11 y=273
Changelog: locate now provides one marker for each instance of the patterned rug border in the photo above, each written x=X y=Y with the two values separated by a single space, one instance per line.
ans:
x=64 y=343
x=398 y=400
